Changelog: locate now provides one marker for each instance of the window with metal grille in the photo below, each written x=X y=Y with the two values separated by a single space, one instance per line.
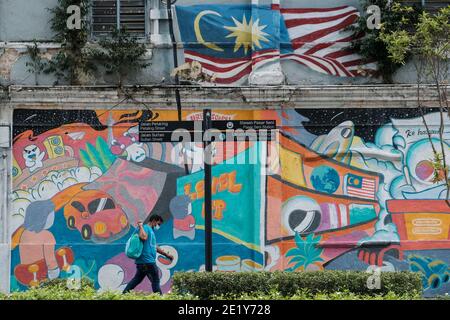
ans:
x=429 y=5
x=108 y=15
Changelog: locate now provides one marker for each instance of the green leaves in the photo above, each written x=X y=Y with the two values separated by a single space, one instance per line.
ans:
x=371 y=45
x=278 y=284
x=99 y=156
x=306 y=252
x=318 y=285
x=120 y=54
x=427 y=39
x=71 y=62
x=399 y=43
x=58 y=289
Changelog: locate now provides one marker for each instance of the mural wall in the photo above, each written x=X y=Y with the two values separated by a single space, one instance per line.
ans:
x=337 y=189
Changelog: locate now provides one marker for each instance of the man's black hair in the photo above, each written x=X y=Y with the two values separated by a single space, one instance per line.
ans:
x=156 y=217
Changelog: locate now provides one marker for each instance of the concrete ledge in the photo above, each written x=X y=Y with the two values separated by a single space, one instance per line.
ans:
x=261 y=97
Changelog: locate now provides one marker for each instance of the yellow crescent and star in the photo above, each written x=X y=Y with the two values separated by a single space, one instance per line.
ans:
x=248 y=34
x=353 y=180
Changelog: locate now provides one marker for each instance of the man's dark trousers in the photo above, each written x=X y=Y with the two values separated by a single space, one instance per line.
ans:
x=151 y=271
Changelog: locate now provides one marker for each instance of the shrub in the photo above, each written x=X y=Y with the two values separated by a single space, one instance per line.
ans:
x=370 y=45
x=58 y=290
x=286 y=284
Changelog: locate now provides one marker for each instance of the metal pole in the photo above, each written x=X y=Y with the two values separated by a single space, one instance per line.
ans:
x=175 y=55
x=175 y=64
x=118 y=15
x=207 y=124
x=4 y=207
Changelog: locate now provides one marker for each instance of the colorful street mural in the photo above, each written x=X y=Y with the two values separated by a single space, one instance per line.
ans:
x=336 y=189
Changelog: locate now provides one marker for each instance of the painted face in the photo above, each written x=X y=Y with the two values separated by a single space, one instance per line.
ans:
x=110 y=277
x=136 y=152
x=30 y=152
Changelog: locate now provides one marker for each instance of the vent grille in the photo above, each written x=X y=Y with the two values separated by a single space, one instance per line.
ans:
x=131 y=16
x=431 y=6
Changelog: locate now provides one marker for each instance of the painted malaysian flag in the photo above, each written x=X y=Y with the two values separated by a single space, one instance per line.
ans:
x=232 y=40
x=320 y=41
x=357 y=186
x=229 y=40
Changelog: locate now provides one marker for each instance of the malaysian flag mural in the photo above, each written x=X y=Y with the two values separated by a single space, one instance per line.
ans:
x=232 y=40
x=229 y=40
x=320 y=41
x=360 y=187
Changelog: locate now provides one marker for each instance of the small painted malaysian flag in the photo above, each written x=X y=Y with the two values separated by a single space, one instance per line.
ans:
x=357 y=186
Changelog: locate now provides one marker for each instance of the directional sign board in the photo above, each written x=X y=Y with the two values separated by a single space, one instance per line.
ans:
x=175 y=131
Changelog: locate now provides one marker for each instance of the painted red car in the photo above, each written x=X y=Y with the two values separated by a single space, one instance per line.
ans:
x=95 y=214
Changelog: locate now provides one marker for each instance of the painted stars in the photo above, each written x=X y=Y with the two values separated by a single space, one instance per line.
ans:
x=248 y=34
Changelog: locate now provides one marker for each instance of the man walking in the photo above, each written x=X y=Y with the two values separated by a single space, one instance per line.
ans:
x=146 y=263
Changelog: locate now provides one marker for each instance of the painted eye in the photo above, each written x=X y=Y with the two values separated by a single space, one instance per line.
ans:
x=346 y=133
x=419 y=161
x=424 y=170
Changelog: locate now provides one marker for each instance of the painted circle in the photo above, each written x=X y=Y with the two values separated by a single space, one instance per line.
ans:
x=301 y=214
x=325 y=179
x=56 y=141
x=419 y=160
x=424 y=170
x=59 y=150
x=123 y=220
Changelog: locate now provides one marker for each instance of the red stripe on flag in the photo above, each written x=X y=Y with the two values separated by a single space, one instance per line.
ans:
x=324 y=45
x=300 y=21
x=235 y=78
x=215 y=59
x=214 y=68
x=313 y=36
x=309 y=10
x=310 y=59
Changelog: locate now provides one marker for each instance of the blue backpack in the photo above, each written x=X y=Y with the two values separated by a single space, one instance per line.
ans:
x=134 y=246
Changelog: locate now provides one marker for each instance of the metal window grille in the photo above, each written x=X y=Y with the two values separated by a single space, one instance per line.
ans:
x=429 y=5
x=108 y=15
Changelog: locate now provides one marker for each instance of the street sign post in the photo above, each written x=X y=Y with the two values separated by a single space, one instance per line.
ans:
x=207 y=123
x=176 y=131
x=196 y=131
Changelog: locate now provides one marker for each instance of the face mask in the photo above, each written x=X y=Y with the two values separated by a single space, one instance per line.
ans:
x=157 y=227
